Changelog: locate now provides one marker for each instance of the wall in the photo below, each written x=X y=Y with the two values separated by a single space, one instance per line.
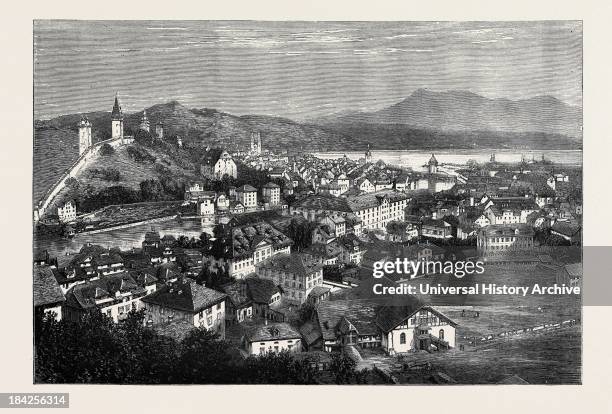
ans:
x=43 y=204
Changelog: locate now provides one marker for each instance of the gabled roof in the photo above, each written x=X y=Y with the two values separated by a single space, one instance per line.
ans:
x=185 y=296
x=295 y=263
x=271 y=332
x=261 y=290
x=46 y=289
x=361 y=314
x=389 y=317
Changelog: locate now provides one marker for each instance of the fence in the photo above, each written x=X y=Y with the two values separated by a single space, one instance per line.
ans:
x=547 y=327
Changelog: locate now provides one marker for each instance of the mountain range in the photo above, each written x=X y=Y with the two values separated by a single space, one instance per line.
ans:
x=466 y=111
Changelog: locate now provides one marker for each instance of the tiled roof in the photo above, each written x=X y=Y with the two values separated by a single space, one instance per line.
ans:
x=271 y=332
x=185 y=296
x=261 y=290
x=296 y=264
x=246 y=189
x=358 y=312
x=84 y=296
x=310 y=332
x=245 y=238
x=46 y=289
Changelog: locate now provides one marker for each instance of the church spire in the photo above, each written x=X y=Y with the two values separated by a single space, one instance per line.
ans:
x=117 y=114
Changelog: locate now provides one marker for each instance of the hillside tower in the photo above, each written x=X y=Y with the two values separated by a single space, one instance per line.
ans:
x=144 y=122
x=84 y=135
x=159 y=130
x=117 y=120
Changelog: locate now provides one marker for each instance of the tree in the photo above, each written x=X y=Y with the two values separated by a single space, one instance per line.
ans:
x=204 y=359
x=106 y=150
x=152 y=190
x=305 y=312
x=278 y=368
x=343 y=368
x=300 y=231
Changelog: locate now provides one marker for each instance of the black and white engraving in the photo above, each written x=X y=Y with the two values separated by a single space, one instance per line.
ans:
x=243 y=202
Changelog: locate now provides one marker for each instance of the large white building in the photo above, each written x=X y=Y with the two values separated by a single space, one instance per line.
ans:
x=247 y=196
x=375 y=210
x=225 y=165
x=67 y=212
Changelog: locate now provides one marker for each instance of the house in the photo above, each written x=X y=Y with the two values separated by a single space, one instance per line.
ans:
x=318 y=294
x=48 y=296
x=351 y=249
x=413 y=326
x=247 y=196
x=238 y=306
x=266 y=297
x=365 y=185
x=438 y=229
x=114 y=295
x=346 y=322
x=325 y=253
x=569 y=231
x=67 y=212
x=501 y=239
x=249 y=244
x=271 y=337
x=188 y=301
x=407 y=327
x=297 y=274
x=335 y=223
x=271 y=193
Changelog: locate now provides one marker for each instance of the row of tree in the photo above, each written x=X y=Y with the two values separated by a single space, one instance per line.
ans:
x=96 y=350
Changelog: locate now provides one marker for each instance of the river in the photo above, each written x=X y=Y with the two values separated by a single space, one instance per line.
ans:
x=416 y=159
x=124 y=239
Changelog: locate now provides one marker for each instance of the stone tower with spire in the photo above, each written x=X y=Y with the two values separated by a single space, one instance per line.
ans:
x=117 y=120
x=84 y=135
x=433 y=164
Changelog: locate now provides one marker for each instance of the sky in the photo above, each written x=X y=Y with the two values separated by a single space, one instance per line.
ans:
x=298 y=70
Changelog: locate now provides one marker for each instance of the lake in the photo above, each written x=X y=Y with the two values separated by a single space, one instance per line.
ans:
x=416 y=159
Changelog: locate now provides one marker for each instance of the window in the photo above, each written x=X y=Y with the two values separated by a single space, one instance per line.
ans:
x=441 y=334
x=403 y=338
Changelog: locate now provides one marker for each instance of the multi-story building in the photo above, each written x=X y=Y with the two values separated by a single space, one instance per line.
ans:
x=504 y=238
x=374 y=210
x=114 y=295
x=271 y=193
x=67 y=212
x=187 y=301
x=247 y=196
x=296 y=274
x=248 y=245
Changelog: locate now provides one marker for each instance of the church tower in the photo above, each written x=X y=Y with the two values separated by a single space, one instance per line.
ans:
x=368 y=155
x=255 y=143
x=84 y=135
x=144 y=122
x=433 y=164
x=117 y=120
